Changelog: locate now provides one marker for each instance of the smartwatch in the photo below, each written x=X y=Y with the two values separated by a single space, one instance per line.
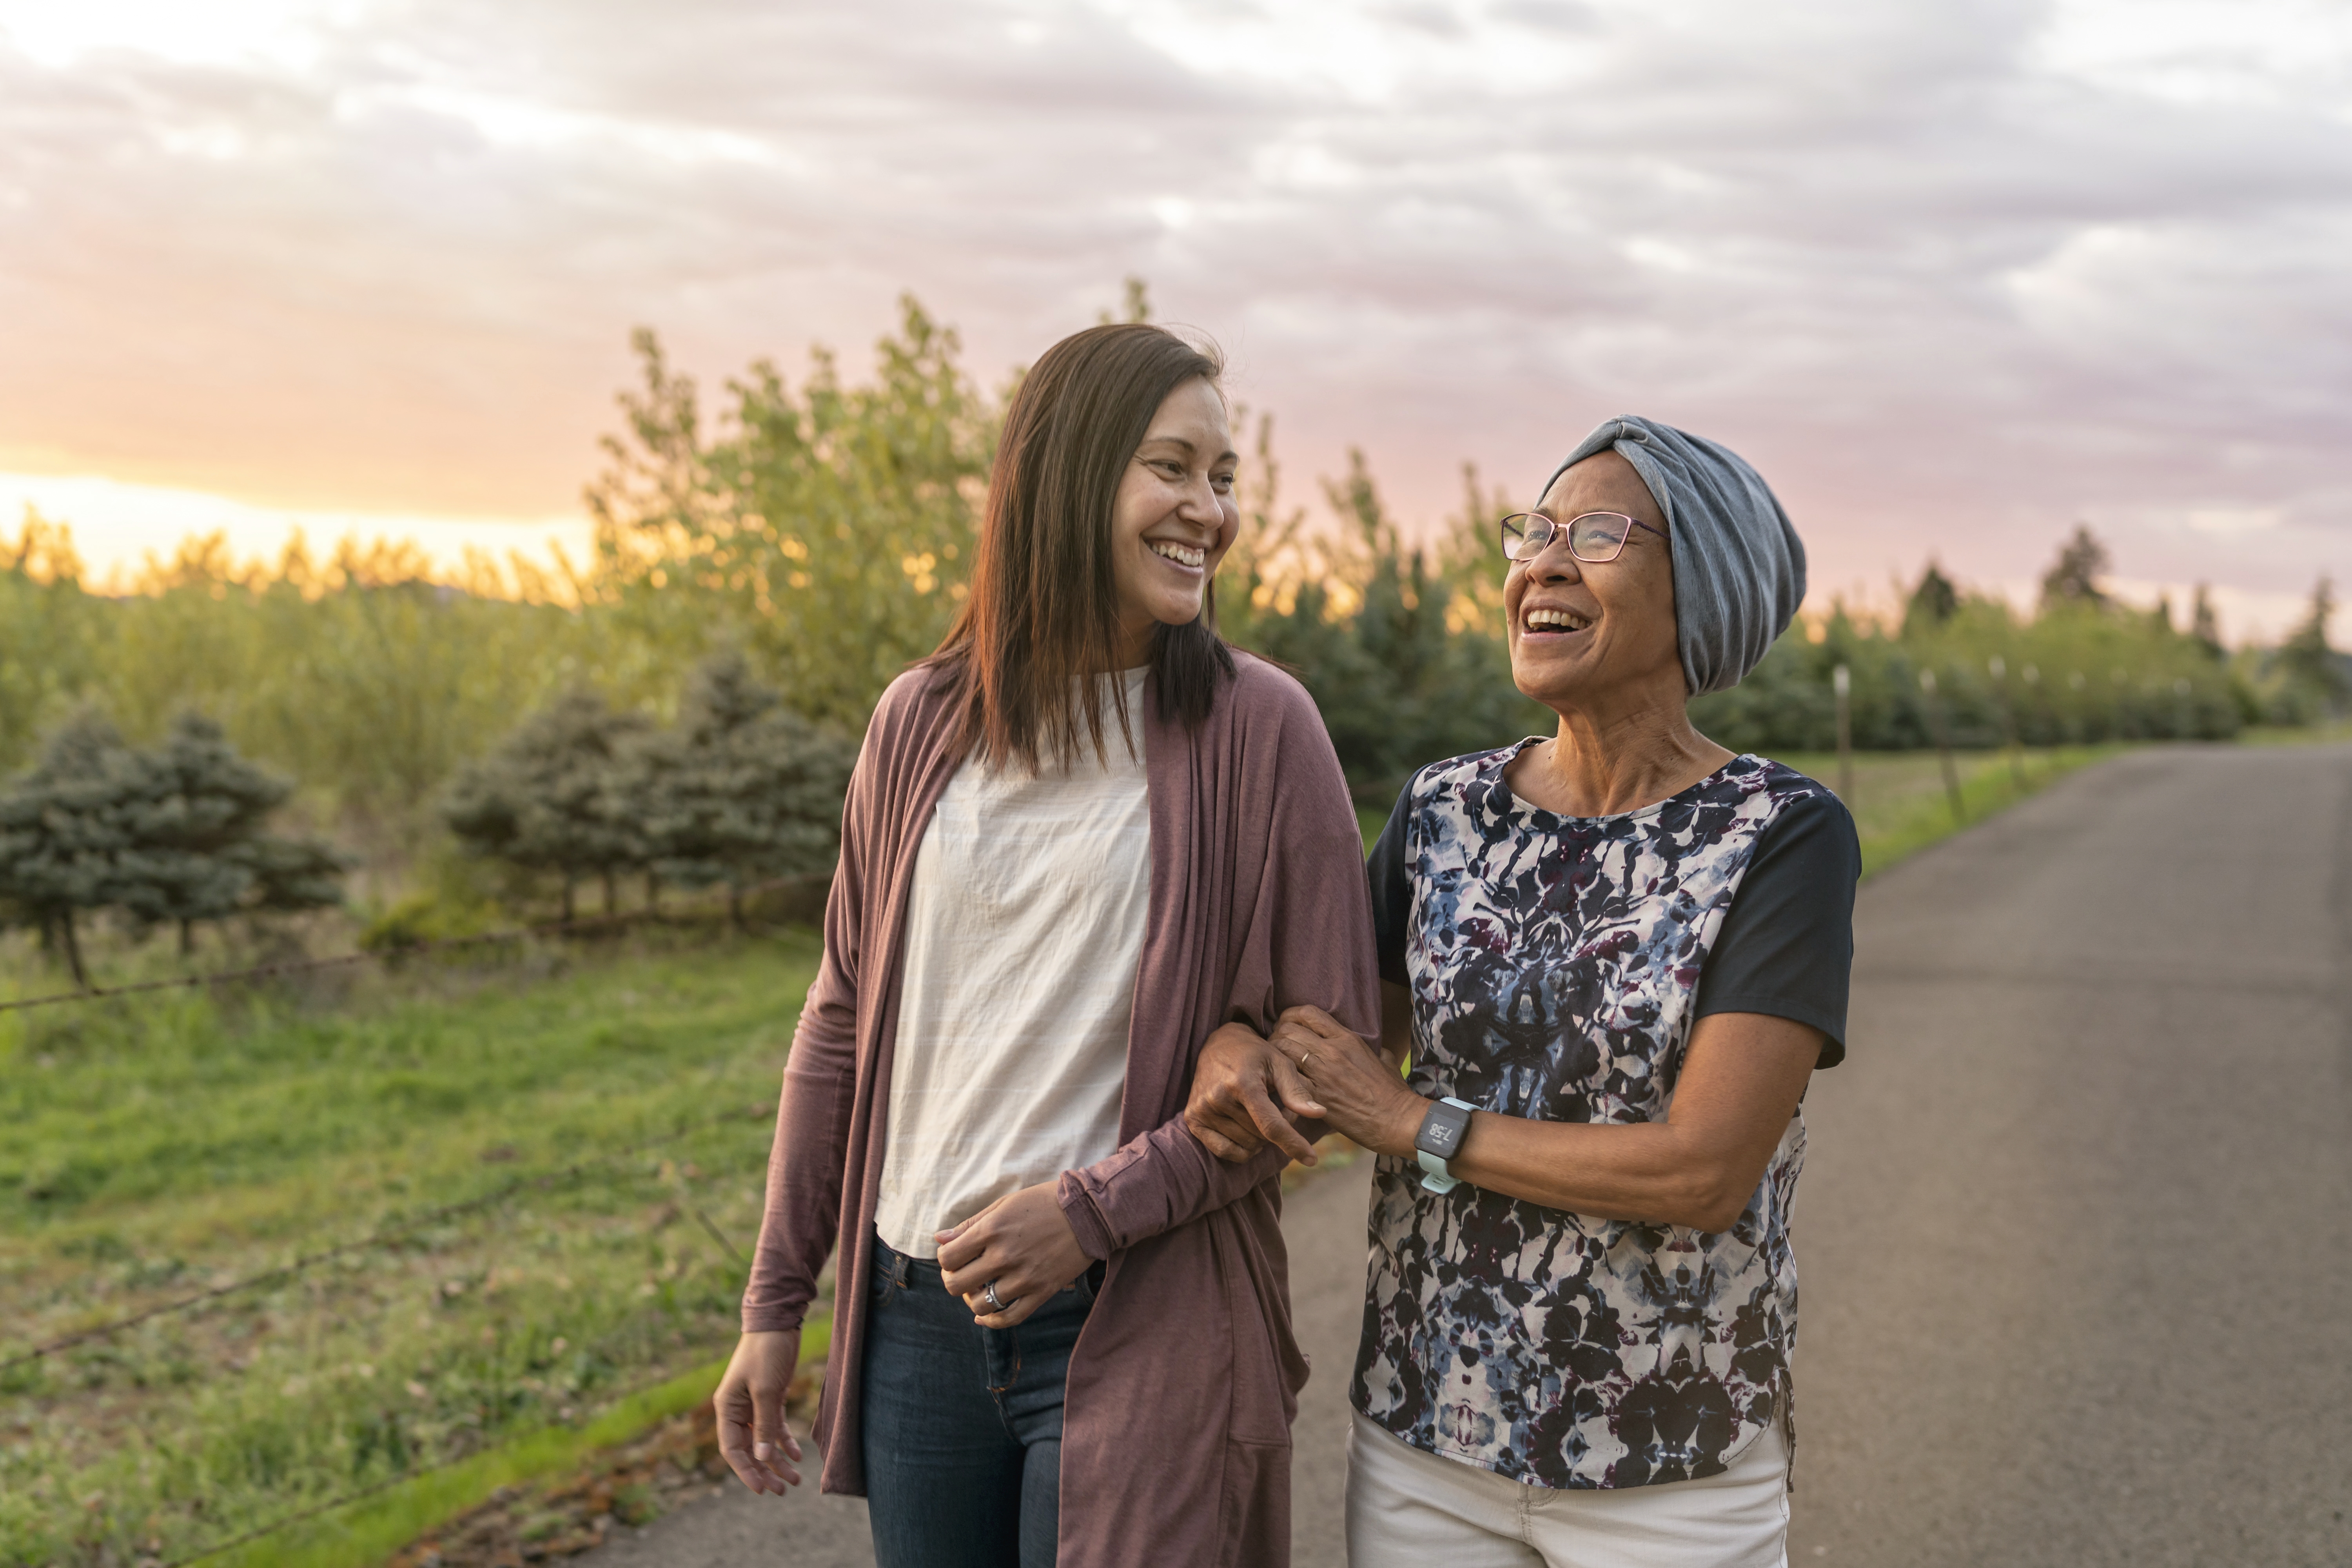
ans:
x=1439 y=1140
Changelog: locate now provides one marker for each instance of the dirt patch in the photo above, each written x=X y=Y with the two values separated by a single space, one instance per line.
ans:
x=673 y=1464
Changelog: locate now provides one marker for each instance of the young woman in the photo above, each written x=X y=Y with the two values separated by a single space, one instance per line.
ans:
x=1616 y=957
x=1081 y=839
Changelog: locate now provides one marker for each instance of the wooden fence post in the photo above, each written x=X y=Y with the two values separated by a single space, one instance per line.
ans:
x=1841 y=682
x=1943 y=733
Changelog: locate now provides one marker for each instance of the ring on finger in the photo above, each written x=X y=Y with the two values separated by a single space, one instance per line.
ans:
x=1306 y=1061
x=990 y=1296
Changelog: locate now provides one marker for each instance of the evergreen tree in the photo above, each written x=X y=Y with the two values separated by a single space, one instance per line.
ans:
x=65 y=831
x=552 y=796
x=2074 y=577
x=189 y=808
x=2204 y=625
x=745 y=789
x=1933 y=602
x=2305 y=659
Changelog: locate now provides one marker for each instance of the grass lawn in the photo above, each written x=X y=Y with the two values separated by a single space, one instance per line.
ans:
x=612 y=1100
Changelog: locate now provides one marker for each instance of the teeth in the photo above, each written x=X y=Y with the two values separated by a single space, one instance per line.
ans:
x=1183 y=554
x=1567 y=619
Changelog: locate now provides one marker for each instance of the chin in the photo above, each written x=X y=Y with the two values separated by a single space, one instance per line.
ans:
x=1545 y=684
x=1177 y=614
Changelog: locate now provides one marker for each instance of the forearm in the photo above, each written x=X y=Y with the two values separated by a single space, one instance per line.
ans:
x=1742 y=1078
x=1647 y=1171
x=805 y=1176
x=1157 y=1182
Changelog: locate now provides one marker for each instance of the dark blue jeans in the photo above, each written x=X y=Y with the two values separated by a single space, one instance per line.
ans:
x=962 y=1424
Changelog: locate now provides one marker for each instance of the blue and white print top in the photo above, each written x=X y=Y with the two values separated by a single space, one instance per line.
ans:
x=1556 y=966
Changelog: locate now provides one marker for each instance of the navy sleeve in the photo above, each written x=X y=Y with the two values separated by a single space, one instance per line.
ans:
x=1786 y=943
x=1391 y=881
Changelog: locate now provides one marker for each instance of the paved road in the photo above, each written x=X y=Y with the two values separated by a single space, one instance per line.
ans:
x=2076 y=1236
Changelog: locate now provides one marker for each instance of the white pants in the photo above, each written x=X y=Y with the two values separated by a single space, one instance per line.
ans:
x=1408 y=1508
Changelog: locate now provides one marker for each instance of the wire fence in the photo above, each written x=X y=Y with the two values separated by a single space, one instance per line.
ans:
x=612 y=1161
x=392 y=1483
x=401 y=1232
x=390 y=953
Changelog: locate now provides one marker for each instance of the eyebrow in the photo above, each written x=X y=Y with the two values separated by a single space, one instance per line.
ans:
x=1228 y=455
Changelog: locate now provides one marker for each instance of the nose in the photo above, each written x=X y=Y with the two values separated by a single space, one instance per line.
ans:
x=1553 y=564
x=1198 y=502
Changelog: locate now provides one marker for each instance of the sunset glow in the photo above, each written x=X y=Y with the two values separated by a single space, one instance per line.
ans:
x=1954 y=278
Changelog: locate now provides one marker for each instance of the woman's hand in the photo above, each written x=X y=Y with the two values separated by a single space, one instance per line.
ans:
x=1244 y=1095
x=1361 y=1095
x=1021 y=1244
x=752 y=1436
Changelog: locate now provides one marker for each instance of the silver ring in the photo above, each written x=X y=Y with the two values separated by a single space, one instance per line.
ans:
x=1306 y=1062
x=988 y=1295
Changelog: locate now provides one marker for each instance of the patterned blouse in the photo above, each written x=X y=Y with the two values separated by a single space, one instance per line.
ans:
x=1556 y=966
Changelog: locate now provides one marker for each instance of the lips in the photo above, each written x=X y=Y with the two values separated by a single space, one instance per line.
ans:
x=1554 y=620
x=1181 y=555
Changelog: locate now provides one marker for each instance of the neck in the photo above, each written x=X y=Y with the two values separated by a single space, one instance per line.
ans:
x=1135 y=646
x=1601 y=763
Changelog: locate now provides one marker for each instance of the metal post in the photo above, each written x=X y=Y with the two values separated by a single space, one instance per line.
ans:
x=1841 y=682
x=1937 y=727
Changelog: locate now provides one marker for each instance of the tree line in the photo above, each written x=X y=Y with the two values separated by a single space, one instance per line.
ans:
x=762 y=568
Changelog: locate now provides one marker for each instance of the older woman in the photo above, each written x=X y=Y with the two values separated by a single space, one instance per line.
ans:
x=1615 y=957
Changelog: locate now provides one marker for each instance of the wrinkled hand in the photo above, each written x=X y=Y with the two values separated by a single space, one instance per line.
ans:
x=752 y=1436
x=1361 y=1095
x=1023 y=1242
x=1246 y=1095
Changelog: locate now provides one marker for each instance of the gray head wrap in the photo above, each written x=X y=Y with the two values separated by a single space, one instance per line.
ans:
x=1739 y=568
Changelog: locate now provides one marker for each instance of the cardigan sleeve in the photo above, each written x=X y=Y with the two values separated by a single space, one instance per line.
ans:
x=808 y=1161
x=1304 y=927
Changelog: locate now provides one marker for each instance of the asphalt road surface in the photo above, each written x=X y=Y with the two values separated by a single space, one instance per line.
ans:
x=2076 y=1233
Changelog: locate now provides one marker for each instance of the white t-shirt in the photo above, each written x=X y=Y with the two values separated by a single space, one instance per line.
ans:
x=1023 y=929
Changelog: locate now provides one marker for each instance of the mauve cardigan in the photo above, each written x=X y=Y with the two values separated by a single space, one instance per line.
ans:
x=1176 y=1437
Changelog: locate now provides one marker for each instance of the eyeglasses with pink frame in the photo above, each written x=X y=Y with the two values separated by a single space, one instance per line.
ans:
x=1595 y=537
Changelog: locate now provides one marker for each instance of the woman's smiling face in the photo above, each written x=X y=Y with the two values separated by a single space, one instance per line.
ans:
x=1579 y=631
x=1174 y=517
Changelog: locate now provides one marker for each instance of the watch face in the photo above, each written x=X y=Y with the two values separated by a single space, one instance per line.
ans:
x=1442 y=1135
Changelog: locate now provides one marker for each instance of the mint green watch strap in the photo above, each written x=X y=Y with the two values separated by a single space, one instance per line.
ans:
x=1439 y=1178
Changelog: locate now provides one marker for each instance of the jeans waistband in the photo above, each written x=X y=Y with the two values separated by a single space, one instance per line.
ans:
x=895 y=1268
x=892 y=1266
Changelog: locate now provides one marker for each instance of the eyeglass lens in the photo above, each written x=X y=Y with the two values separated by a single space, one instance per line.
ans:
x=1594 y=537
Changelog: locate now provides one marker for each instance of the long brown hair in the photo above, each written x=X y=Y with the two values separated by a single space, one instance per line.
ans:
x=1042 y=616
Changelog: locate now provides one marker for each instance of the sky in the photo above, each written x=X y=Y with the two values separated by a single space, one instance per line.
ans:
x=1955 y=277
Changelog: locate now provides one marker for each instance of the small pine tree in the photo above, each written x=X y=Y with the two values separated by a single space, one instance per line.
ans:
x=1934 y=601
x=2305 y=659
x=747 y=791
x=63 y=832
x=2204 y=625
x=551 y=797
x=193 y=806
x=2074 y=577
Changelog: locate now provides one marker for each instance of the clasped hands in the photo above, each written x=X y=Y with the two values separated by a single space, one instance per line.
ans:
x=1248 y=1092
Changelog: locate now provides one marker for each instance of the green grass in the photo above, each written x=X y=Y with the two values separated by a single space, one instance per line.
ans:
x=2331 y=732
x=1900 y=803
x=157 y=1146
x=372 y=1530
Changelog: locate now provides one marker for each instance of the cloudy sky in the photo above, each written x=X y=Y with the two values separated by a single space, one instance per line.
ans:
x=1954 y=276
